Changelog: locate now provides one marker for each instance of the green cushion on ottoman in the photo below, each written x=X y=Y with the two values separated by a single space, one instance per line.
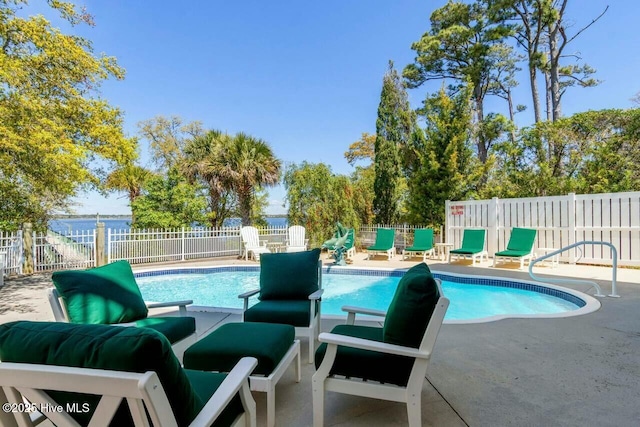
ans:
x=295 y=313
x=370 y=365
x=289 y=276
x=174 y=328
x=101 y=347
x=222 y=348
x=411 y=307
x=107 y=294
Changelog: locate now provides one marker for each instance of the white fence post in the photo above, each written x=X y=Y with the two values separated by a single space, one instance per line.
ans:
x=571 y=201
x=493 y=224
x=182 y=245
x=447 y=211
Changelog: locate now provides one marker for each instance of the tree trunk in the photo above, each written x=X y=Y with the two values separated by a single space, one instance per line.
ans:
x=554 y=73
x=547 y=84
x=479 y=107
x=535 y=95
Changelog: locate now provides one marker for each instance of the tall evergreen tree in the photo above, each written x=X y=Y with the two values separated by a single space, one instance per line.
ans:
x=394 y=126
x=443 y=158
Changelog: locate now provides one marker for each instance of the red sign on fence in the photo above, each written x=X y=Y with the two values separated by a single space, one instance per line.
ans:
x=457 y=210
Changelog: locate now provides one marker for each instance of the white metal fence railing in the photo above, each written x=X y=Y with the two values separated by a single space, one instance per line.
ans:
x=560 y=220
x=145 y=246
x=11 y=252
x=55 y=251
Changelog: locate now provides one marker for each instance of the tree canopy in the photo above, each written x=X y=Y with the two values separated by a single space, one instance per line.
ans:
x=53 y=123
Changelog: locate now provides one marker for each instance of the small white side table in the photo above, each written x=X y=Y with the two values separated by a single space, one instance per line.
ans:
x=443 y=250
x=555 y=260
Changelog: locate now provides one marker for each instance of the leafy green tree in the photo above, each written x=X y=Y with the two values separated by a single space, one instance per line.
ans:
x=394 y=126
x=317 y=199
x=53 y=122
x=363 y=177
x=168 y=202
x=465 y=44
x=168 y=137
x=250 y=165
x=443 y=165
x=129 y=178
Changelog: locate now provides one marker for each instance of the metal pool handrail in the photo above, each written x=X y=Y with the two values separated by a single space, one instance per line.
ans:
x=595 y=285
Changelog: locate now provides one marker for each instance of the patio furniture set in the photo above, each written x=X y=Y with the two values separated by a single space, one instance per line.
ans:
x=105 y=361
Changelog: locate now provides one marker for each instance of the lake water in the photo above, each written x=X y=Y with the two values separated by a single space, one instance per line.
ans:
x=81 y=224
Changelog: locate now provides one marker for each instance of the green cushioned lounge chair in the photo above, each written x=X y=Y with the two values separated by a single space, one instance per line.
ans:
x=472 y=245
x=388 y=363
x=422 y=243
x=520 y=246
x=109 y=295
x=385 y=243
x=102 y=375
x=289 y=293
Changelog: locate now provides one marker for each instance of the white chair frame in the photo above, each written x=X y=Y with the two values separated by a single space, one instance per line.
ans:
x=143 y=393
x=268 y=384
x=474 y=257
x=252 y=243
x=296 y=241
x=60 y=314
x=408 y=254
x=411 y=394
x=310 y=332
x=529 y=257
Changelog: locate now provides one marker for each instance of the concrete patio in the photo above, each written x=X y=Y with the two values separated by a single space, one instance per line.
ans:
x=574 y=371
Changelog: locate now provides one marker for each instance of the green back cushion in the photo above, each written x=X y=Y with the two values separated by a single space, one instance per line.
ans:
x=411 y=307
x=107 y=294
x=115 y=348
x=289 y=276
x=521 y=239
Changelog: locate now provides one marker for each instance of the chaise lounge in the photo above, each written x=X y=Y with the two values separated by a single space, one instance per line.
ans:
x=520 y=246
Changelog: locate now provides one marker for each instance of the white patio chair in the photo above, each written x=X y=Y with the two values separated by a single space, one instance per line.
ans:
x=252 y=244
x=296 y=241
x=107 y=381
x=349 y=363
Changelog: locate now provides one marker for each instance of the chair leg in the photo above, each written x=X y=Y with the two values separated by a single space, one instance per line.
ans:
x=271 y=406
x=522 y=263
x=318 y=400
x=312 y=346
x=414 y=411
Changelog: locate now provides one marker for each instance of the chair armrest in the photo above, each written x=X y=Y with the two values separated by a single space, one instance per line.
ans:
x=235 y=380
x=367 y=311
x=248 y=294
x=363 y=344
x=317 y=294
x=182 y=305
x=352 y=311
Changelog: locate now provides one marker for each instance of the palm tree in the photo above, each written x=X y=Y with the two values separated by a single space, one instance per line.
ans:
x=250 y=165
x=131 y=179
x=204 y=161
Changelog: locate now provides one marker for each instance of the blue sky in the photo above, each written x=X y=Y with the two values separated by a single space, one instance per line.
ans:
x=305 y=76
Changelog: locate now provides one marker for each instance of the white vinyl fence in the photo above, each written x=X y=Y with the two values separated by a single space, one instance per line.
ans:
x=560 y=221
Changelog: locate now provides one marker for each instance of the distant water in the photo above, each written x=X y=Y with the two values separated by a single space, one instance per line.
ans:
x=81 y=224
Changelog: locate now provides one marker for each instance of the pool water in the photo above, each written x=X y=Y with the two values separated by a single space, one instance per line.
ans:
x=468 y=301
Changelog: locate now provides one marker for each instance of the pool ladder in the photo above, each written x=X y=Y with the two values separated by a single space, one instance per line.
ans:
x=594 y=284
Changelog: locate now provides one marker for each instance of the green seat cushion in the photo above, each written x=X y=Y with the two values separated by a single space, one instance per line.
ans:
x=107 y=294
x=384 y=240
x=205 y=385
x=294 y=313
x=174 y=328
x=516 y=254
x=522 y=239
x=370 y=365
x=411 y=307
x=101 y=347
x=222 y=348
x=289 y=276
x=466 y=251
x=423 y=240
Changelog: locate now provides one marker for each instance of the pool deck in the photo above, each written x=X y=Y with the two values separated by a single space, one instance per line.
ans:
x=573 y=371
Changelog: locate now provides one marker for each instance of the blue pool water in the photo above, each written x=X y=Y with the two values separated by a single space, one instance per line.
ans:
x=475 y=299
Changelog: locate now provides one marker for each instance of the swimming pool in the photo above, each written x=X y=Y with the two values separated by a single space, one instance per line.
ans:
x=473 y=298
